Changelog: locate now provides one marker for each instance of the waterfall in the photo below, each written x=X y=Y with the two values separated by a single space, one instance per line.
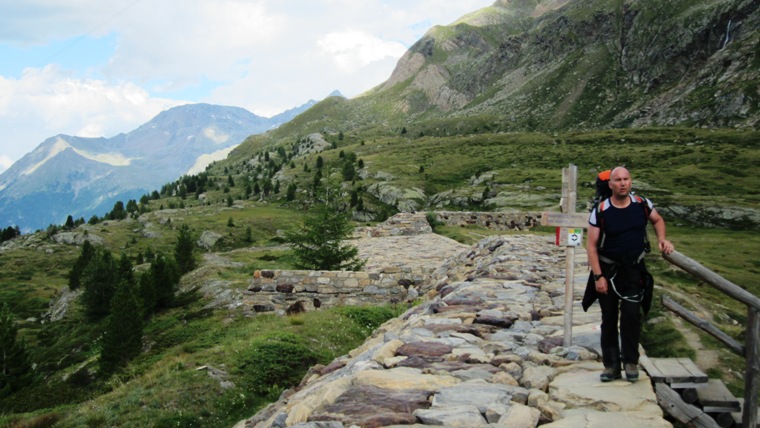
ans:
x=728 y=33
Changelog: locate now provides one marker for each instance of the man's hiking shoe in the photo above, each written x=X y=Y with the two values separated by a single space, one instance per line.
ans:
x=610 y=374
x=631 y=372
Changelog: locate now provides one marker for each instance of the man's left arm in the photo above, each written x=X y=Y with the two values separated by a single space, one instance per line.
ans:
x=658 y=223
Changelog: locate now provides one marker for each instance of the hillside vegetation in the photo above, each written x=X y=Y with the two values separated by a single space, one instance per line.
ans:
x=481 y=115
x=194 y=351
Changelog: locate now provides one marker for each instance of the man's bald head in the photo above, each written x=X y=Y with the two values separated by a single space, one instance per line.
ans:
x=618 y=170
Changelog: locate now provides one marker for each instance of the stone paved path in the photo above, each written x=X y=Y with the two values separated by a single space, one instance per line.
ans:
x=483 y=350
x=425 y=252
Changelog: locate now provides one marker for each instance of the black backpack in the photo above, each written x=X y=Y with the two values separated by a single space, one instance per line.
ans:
x=603 y=190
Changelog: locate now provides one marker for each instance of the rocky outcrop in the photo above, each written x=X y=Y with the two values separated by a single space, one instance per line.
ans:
x=557 y=64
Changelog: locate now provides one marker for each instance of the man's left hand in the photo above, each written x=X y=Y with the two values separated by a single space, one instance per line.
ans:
x=666 y=246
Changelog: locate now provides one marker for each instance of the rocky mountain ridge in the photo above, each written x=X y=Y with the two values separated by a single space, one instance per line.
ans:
x=575 y=65
x=81 y=177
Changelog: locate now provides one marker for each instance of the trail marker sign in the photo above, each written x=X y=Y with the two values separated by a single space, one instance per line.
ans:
x=566 y=219
x=569 y=237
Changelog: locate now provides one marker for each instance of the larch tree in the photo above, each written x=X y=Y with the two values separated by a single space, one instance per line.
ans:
x=15 y=366
x=321 y=243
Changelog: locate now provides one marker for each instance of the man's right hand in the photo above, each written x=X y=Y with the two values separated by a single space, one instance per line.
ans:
x=601 y=285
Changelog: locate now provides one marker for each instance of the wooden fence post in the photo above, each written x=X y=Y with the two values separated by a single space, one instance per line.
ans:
x=569 y=186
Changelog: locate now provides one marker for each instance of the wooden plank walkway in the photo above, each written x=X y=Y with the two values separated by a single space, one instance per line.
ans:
x=676 y=372
x=716 y=398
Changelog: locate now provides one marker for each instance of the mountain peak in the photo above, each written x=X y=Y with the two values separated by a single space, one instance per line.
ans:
x=86 y=176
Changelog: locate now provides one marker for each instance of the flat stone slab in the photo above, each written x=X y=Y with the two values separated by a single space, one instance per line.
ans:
x=579 y=387
x=593 y=419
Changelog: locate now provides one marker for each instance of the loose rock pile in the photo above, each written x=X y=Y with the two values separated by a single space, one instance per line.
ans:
x=483 y=350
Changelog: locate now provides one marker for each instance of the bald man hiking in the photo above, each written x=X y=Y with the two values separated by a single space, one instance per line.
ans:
x=617 y=244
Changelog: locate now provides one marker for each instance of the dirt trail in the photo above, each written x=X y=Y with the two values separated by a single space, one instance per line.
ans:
x=705 y=358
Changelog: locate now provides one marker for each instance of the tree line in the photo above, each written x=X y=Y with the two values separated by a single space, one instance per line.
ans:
x=110 y=292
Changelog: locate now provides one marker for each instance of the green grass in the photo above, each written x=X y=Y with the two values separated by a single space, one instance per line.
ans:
x=690 y=167
x=189 y=344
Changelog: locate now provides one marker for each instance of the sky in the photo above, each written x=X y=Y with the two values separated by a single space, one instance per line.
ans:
x=94 y=68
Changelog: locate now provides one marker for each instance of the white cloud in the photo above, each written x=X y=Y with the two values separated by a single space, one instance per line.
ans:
x=263 y=55
x=48 y=101
x=5 y=162
x=351 y=50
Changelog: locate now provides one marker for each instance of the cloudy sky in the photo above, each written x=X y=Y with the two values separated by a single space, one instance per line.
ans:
x=97 y=68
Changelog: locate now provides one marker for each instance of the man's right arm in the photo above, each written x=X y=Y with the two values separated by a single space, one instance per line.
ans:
x=593 y=258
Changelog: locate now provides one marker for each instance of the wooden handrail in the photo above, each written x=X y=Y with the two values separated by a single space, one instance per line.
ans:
x=713 y=331
x=717 y=281
x=752 y=346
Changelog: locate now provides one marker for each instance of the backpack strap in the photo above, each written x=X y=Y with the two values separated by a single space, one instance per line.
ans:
x=638 y=200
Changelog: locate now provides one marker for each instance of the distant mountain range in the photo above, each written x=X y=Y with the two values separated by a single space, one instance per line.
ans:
x=83 y=177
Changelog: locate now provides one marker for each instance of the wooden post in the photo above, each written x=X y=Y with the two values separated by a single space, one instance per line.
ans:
x=568 y=218
x=569 y=183
x=752 y=371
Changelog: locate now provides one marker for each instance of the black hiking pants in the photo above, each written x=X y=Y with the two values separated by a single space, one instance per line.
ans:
x=621 y=345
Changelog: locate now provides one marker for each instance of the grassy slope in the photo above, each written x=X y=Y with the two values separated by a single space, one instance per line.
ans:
x=683 y=165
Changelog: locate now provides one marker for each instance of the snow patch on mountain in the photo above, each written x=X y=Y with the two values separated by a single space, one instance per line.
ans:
x=205 y=160
x=60 y=145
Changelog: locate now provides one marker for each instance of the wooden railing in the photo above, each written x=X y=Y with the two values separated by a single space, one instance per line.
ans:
x=750 y=350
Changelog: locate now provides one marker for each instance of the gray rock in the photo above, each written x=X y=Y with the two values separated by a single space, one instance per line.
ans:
x=474 y=393
x=454 y=416
x=520 y=416
x=537 y=377
x=208 y=239
x=321 y=424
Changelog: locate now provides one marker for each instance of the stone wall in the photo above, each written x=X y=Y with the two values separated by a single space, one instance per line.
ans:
x=293 y=291
x=492 y=220
x=395 y=278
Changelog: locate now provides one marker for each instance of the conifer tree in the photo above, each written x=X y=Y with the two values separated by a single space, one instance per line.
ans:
x=99 y=280
x=165 y=275
x=75 y=275
x=183 y=250
x=348 y=171
x=15 y=367
x=321 y=243
x=69 y=223
x=122 y=340
x=291 y=192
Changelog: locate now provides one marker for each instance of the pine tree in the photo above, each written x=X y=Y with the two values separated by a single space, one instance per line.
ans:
x=99 y=280
x=75 y=275
x=320 y=243
x=183 y=250
x=122 y=340
x=165 y=274
x=348 y=171
x=15 y=366
x=291 y=192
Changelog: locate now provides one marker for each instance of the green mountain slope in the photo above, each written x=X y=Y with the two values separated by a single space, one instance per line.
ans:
x=479 y=115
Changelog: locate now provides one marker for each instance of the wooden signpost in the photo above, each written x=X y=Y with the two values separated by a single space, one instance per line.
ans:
x=569 y=234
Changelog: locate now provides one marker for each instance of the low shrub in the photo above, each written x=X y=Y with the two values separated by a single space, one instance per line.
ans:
x=274 y=362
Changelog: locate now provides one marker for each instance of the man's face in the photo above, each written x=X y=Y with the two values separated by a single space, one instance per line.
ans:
x=620 y=182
